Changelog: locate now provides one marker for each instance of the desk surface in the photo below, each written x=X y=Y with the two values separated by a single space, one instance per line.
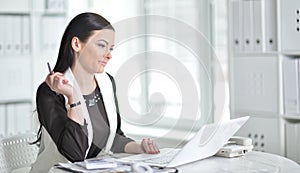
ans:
x=250 y=163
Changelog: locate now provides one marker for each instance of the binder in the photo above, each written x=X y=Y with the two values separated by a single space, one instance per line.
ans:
x=48 y=33
x=11 y=119
x=45 y=36
x=270 y=20
x=292 y=141
x=16 y=36
x=2 y=120
x=237 y=22
x=247 y=26
x=298 y=84
x=23 y=117
x=60 y=21
x=26 y=46
x=55 y=5
x=52 y=31
x=8 y=34
x=290 y=25
x=259 y=25
x=2 y=36
x=50 y=4
x=291 y=85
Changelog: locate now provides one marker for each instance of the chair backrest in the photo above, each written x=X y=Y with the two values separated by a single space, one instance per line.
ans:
x=17 y=152
x=3 y=167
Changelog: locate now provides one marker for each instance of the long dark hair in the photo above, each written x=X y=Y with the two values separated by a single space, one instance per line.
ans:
x=81 y=26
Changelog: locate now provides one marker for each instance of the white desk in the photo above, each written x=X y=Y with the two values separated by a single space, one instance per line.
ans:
x=252 y=162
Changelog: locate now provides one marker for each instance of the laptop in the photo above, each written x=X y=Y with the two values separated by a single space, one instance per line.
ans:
x=205 y=143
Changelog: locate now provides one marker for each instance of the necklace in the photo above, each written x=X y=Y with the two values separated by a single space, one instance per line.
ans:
x=92 y=98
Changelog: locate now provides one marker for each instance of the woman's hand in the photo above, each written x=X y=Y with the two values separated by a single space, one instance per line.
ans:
x=149 y=146
x=59 y=84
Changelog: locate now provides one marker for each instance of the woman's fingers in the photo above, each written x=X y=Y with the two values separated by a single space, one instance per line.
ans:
x=155 y=148
x=145 y=145
x=150 y=146
x=57 y=82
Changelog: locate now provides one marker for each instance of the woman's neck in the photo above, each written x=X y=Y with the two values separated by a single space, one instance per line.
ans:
x=85 y=80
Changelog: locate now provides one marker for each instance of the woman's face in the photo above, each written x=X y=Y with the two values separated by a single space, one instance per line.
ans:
x=96 y=52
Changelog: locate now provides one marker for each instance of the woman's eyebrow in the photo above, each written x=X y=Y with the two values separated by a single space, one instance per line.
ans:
x=104 y=41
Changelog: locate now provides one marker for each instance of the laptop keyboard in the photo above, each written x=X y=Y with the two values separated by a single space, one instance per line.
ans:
x=164 y=159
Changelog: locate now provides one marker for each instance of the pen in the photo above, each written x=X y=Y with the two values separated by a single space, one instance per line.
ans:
x=49 y=68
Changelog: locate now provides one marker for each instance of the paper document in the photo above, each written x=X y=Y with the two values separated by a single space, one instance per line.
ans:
x=97 y=163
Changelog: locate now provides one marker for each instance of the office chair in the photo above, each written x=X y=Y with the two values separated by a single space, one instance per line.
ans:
x=3 y=167
x=17 y=154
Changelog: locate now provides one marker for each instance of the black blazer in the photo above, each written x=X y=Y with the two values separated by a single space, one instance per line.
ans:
x=69 y=136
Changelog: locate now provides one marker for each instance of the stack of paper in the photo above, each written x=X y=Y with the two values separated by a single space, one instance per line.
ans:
x=94 y=165
x=97 y=163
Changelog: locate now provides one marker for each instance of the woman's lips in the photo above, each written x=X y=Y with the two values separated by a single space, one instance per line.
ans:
x=103 y=63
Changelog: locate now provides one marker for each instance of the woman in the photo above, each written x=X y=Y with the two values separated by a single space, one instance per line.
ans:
x=77 y=105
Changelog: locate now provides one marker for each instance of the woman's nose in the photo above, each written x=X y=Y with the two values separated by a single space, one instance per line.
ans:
x=108 y=55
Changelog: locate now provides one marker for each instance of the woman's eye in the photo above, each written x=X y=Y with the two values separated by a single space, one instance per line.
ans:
x=102 y=45
x=111 y=49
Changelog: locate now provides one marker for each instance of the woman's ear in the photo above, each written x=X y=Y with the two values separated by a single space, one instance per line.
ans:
x=76 y=44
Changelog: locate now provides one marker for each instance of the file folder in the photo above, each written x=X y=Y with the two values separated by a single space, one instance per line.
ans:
x=8 y=34
x=52 y=31
x=292 y=141
x=46 y=33
x=54 y=5
x=10 y=119
x=23 y=114
x=259 y=25
x=291 y=85
x=2 y=121
x=290 y=25
x=2 y=31
x=247 y=26
x=26 y=34
x=270 y=19
x=237 y=22
x=16 y=36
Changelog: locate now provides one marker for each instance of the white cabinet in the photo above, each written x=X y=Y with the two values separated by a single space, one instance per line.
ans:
x=263 y=139
x=255 y=82
x=290 y=54
x=264 y=83
x=30 y=34
x=293 y=140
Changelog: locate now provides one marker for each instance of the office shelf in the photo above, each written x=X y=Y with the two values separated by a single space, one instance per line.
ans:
x=251 y=54
x=265 y=74
x=291 y=117
x=25 y=35
x=291 y=53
